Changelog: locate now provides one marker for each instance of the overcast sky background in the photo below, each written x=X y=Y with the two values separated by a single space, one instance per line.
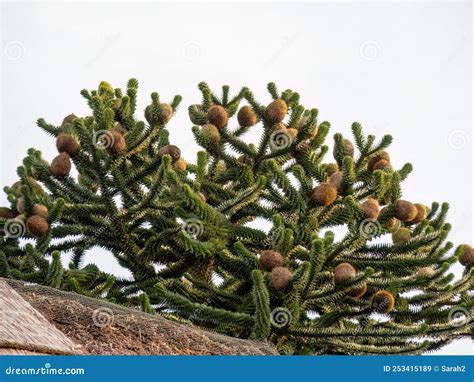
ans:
x=403 y=69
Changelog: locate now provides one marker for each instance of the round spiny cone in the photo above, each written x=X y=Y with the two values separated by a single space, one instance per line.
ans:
x=170 y=150
x=180 y=165
x=119 y=128
x=370 y=208
x=117 y=144
x=422 y=213
x=402 y=235
x=467 y=257
x=293 y=133
x=381 y=155
x=68 y=120
x=405 y=211
x=358 y=292
x=16 y=188
x=276 y=111
x=211 y=133
x=6 y=213
x=166 y=112
x=20 y=205
x=281 y=278
x=40 y=210
x=37 y=225
x=425 y=272
x=383 y=301
x=61 y=165
x=347 y=147
x=324 y=194
x=331 y=168
x=336 y=180
x=270 y=259
x=382 y=165
x=217 y=116
x=67 y=143
x=246 y=116
x=343 y=273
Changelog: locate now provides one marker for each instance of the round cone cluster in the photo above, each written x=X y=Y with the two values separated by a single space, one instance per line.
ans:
x=67 y=143
x=6 y=213
x=37 y=225
x=246 y=116
x=324 y=194
x=359 y=292
x=402 y=235
x=383 y=301
x=370 y=208
x=172 y=151
x=276 y=111
x=425 y=272
x=331 y=168
x=422 y=213
x=166 y=112
x=269 y=260
x=336 y=180
x=405 y=211
x=61 y=165
x=40 y=210
x=217 y=115
x=20 y=205
x=467 y=257
x=382 y=165
x=68 y=120
x=119 y=128
x=343 y=273
x=281 y=278
x=117 y=144
x=180 y=165
x=211 y=133
x=381 y=155
x=348 y=147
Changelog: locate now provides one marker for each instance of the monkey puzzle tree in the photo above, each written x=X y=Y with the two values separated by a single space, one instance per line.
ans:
x=185 y=231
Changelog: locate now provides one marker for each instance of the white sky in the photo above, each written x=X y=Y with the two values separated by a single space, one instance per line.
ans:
x=403 y=69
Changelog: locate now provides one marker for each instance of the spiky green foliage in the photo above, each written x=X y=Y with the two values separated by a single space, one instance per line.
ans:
x=187 y=236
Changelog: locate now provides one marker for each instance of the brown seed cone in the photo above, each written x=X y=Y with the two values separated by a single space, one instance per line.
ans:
x=281 y=278
x=211 y=132
x=37 y=225
x=246 y=116
x=405 y=211
x=382 y=165
x=40 y=210
x=348 y=147
x=370 y=208
x=358 y=292
x=383 y=301
x=67 y=143
x=276 y=111
x=68 y=120
x=20 y=205
x=293 y=133
x=402 y=235
x=117 y=144
x=336 y=179
x=170 y=150
x=343 y=273
x=180 y=165
x=217 y=116
x=324 y=194
x=421 y=213
x=6 y=213
x=270 y=259
x=467 y=257
x=331 y=168
x=166 y=112
x=381 y=155
x=425 y=272
x=61 y=165
x=119 y=128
